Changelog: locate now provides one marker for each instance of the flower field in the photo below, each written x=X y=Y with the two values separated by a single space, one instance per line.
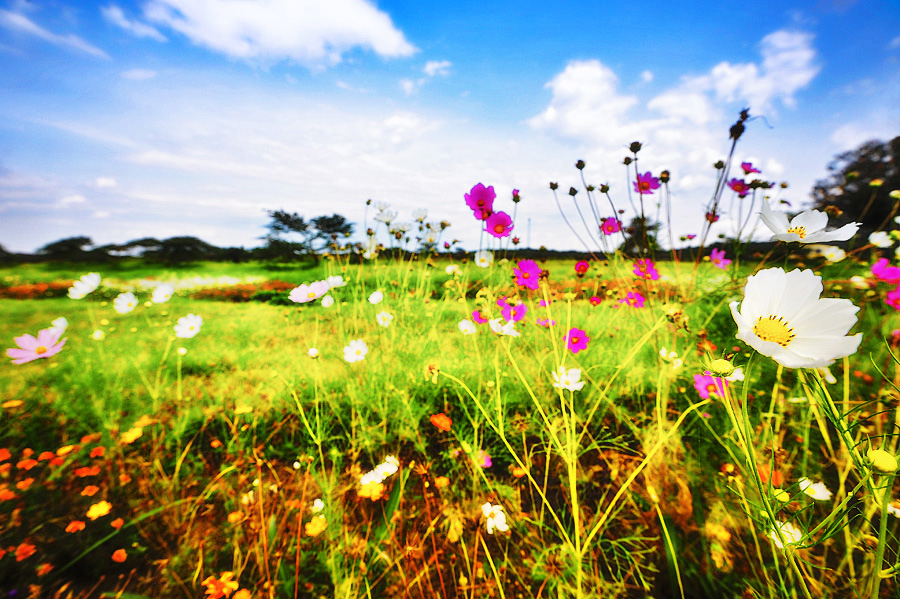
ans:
x=459 y=425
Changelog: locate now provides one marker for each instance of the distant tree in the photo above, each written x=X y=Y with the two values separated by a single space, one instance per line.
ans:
x=328 y=229
x=6 y=255
x=70 y=248
x=849 y=186
x=311 y=236
x=140 y=247
x=183 y=250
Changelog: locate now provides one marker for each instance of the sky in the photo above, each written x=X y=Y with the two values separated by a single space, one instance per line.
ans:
x=157 y=118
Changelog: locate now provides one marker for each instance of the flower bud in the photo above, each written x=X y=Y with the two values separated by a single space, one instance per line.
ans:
x=781 y=495
x=554 y=186
x=604 y=188
x=882 y=462
x=635 y=147
x=719 y=165
x=721 y=368
x=627 y=161
x=664 y=177
x=572 y=191
x=579 y=165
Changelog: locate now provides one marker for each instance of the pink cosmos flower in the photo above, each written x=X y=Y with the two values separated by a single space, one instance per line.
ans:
x=581 y=267
x=481 y=201
x=892 y=299
x=515 y=195
x=717 y=257
x=645 y=269
x=528 y=274
x=483 y=459
x=610 y=225
x=514 y=313
x=633 y=299
x=307 y=292
x=740 y=187
x=646 y=183
x=749 y=168
x=883 y=272
x=499 y=224
x=576 y=340
x=595 y=301
x=47 y=344
x=545 y=322
x=707 y=385
x=478 y=318
x=712 y=217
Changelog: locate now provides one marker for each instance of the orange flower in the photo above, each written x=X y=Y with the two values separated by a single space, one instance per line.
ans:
x=372 y=490
x=12 y=403
x=75 y=526
x=89 y=491
x=518 y=471
x=765 y=472
x=119 y=556
x=235 y=517
x=27 y=452
x=98 y=452
x=4 y=454
x=131 y=435
x=215 y=444
x=44 y=569
x=6 y=494
x=27 y=464
x=46 y=455
x=23 y=485
x=117 y=523
x=315 y=526
x=99 y=509
x=93 y=437
x=87 y=471
x=442 y=421
x=220 y=587
x=5 y=467
x=441 y=481
x=24 y=551
x=66 y=449
x=242 y=594
x=124 y=479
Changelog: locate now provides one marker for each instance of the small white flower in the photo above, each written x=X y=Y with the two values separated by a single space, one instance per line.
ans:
x=371 y=248
x=307 y=292
x=504 y=328
x=817 y=491
x=789 y=532
x=893 y=509
x=859 y=282
x=125 y=302
x=783 y=316
x=881 y=239
x=384 y=318
x=188 y=326
x=182 y=351
x=467 y=327
x=568 y=379
x=453 y=269
x=335 y=281
x=420 y=215
x=60 y=324
x=376 y=297
x=736 y=375
x=162 y=293
x=317 y=506
x=327 y=301
x=484 y=258
x=388 y=468
x=806 y=227
x=313 y=353
x=356 y=351
x=98 y=335
x=496 y=518
x=833 y=254
x=386 y=216
x=85 y=285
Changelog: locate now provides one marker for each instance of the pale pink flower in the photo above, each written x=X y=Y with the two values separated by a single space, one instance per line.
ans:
x=45 y=345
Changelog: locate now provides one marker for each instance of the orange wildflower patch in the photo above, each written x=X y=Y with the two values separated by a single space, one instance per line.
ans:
x=46 y=455
x=89 y=491
x=23 y=484
x=98 y=452
x=373 y=491
x=99 y=509
x=119 y=555
x=27 y=464
x=242 y=594
x=441 y=481
x=24 y=551
x=124 y=479
x=765 y=472
x=92 y=438
x=75 y=526
x=6 y=494
x=442 y=421
x=235 y=517
x=5 y=467
x=4 y=454
x=27 y=452
x=87 y=471
x=117 y=523
x=220 y=587
x=44 y=569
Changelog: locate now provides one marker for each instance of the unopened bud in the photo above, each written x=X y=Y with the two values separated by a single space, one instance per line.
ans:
x=554 y=186
x=604 y=188
x=579 y=165
x=882 y=462
x=719 y=165
x=627 y=161
x=635 y=147
x=664 y=177
x=721 y=368
x=781 y=495
x=572 y=191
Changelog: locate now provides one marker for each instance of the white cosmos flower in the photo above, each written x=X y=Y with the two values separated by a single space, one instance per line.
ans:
x=60 y=324
x=125 y=302
x=371 y=248
x=188 y=326
x=484 y=258
x=313 y=353
x=834 y=254
x=307 y=292
x=335 y=281
x=420 y=215
x=881 y=239
x=162 y=293
x=806 y=227
x=384 y=318
x=783 y=317
x=789 y=532
x=356 y=351
x=508 y=328
x=467 y=327
x=496 y=519
x=327 y=301
x=376 y=297
x=817 y=491
x=453 y=269
x=568 y=379
x=85 y=285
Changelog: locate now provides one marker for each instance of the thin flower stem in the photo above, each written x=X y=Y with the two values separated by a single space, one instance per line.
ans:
x=882 y=534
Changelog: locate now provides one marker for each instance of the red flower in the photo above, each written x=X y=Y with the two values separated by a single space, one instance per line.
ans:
x=442 y=421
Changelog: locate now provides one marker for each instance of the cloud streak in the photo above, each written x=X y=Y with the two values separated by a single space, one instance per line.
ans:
x=18 y=22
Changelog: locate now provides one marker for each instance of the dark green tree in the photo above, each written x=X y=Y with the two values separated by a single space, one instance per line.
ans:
x=849 y=188
x=182 y=250
x=70 y=248
x=311 y=236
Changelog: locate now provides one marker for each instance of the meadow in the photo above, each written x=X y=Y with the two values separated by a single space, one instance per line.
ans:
x=450 y=425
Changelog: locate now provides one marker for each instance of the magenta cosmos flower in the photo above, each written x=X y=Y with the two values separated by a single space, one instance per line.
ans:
x=886 y=273
x=646 y=183
x=581 y=267
x=633 y=299
x=645 y=269
x=481 y=200
x=576 y=340
x=610 y=225
x=740 y=187
x=749 y=168
x=707 y=385
x=499 y=224
x=528 y=274
x=717 y=257
x=478 y=318
x=514 y=313
x=47 y=344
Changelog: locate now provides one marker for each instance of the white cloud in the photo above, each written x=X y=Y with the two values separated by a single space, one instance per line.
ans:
x=105 y=182
x=894 y=43
x=114 y=15
x=19 y=22
x=408 y=86
x=72 y=199
x=647 y=76
x=437 y=67
x=312 y=33
x=138 y=74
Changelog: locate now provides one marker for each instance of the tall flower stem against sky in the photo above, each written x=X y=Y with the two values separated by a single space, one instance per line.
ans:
x=568 y=224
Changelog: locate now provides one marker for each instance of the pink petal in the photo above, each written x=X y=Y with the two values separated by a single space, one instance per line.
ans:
x=26 y=341
x=21 y=355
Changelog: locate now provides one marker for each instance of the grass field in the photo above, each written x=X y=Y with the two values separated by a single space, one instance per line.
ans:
x=436 y=463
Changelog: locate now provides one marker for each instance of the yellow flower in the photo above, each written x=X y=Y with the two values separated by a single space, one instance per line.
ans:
x=99 y=509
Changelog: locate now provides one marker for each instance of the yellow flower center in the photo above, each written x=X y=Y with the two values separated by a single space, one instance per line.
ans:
x=775 y=329
x=800 y=231
x=311 y=294
x=40 y=349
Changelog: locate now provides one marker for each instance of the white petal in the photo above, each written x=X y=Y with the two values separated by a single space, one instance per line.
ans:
x=811 y=220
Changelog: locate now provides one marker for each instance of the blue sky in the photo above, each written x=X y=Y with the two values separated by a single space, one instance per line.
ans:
x=122 y=120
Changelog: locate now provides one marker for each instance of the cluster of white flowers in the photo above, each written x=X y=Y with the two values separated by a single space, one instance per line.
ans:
x=85 y=285
x=496 y=518
x=382 y=471
x=671 y=357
